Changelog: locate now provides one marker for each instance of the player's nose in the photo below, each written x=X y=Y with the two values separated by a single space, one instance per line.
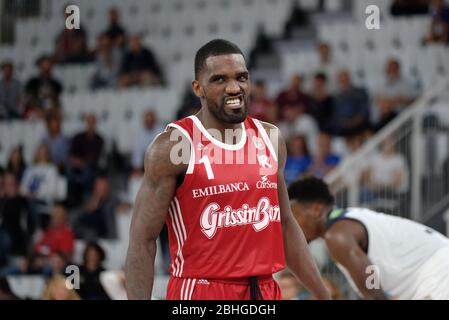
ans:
x=233 y=88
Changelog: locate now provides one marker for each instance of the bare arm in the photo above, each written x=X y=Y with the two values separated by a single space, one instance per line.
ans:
x=297 y=254
x=345 y=249
x=151 y=207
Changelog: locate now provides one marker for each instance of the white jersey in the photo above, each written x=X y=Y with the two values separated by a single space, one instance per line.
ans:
x=402 y=252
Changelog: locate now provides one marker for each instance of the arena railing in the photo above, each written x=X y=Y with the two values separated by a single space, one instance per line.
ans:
x=421 y=195
x=418 y=197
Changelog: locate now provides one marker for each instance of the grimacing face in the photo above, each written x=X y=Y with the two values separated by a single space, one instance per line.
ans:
x=224 y=86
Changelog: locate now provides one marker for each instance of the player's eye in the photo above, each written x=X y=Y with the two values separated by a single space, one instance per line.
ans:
x=243 y=78
x=218 y=79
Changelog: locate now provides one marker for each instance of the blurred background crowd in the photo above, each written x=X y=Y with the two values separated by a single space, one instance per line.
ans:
x=67 y=186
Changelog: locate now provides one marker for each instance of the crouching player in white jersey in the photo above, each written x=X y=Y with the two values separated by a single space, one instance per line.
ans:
x=382 y=256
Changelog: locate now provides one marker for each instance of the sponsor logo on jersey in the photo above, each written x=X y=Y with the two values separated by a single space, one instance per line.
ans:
x=258 y=143
x=221 y=188
x=264 y=183
x=264 y=161
x=259 y=217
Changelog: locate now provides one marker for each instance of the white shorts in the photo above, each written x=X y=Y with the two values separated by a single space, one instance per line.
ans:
x=433 y=278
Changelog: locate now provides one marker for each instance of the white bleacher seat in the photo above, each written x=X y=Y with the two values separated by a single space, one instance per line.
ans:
x=333 y=5
x=160 y=287
x=71 y=127
x=127 y=123
x=5 y=143
x=77 y=257
x=115 y=251
x=308 y=5
x=339 y=147
x=61 y=193
x=33 y=132
x=27 y=286
x=123 y=225
x=16 y=133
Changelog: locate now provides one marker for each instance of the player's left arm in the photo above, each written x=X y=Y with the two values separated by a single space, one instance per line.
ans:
x=297 y=254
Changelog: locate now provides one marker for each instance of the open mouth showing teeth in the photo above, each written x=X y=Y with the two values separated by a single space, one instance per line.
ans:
x=233 y=102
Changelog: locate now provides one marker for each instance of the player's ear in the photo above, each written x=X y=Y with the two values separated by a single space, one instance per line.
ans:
x=197 y=89
x=296 y=209
x=317 y=209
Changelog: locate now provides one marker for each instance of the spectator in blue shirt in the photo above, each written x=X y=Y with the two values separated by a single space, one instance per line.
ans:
x=57 y=143
x=139 y=66
x=324 y=161
x=351 y=109
x=298 y=158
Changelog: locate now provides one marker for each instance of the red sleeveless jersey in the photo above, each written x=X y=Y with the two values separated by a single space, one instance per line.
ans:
x=224 y=220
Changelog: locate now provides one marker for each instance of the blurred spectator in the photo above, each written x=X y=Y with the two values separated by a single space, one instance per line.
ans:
x=262 y=107
x=16 y=163
x=10 y=93
x=98 y=218
x=113 y=283
x=439 y=10
x=438 y=32
x=298 y=158
x=90 y=284
x=16 y=224
x=40 y=185
x=322 y=102
x=409 y=7
x=33 y=264
x=44 y=265
x=71 y=46
x=293 y=95
x=395 y=88
x=191 y=104
x=57 y=290
x=351 y=110
x=290 y=287
x=354 y=143
x=107 y=64
x=386 y=113
x=144 y=137
x=5 y=290
x=84 y=156
x=56 y=142
x=439 y=27
x=43 y=91
x=297 y=122
x=58 y=237
x=139 y=66
x=115 y=31
x=387 y=171
x=326 y=65
x=56 y=264
x=324 y=161
x=87 y=146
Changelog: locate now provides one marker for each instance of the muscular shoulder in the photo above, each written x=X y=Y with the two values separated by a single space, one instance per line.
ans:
x=168 y=154
x=268 y=126
x=343 y=235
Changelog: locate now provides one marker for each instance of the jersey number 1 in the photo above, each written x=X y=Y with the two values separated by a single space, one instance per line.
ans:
x=210 y=173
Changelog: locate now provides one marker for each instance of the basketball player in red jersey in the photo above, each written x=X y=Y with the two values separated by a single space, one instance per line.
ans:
x=226 y=206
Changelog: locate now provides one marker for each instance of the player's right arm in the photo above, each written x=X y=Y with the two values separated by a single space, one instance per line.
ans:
x=344 y=248
x=151 y=206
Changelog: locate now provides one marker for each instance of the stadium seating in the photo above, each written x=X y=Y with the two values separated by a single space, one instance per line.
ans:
x=174 y=30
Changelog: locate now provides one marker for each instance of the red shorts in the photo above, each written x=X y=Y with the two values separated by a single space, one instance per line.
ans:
x=220 y=289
